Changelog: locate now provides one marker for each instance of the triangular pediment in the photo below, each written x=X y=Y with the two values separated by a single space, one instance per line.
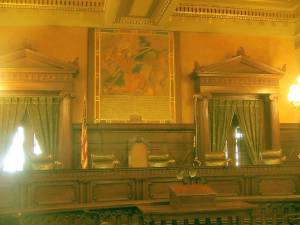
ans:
x=241 y=65
x=27 y=60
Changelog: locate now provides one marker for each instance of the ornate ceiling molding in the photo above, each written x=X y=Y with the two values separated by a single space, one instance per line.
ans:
x=236 y=13
x=63 y=5
x=156 y=12
x=261 y=17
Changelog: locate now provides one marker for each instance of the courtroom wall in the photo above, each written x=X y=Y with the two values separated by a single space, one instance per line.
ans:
x=68 y=43
x=63 y=43
x=210 y=48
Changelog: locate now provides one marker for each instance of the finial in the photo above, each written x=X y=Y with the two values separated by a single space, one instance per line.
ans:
x=26 y=44
x=241 y=52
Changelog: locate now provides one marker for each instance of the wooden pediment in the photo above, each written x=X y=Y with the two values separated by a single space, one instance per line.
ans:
x=27 y=69
x=239 y=74
x=241 y=65
x=27 y=60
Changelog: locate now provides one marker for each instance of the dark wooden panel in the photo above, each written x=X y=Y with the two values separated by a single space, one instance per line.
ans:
x=9 y=196
x=53 y=193
x=159 y=188
x=277 y=186
x=290 y=140
x=227 y=187
x=111 y=191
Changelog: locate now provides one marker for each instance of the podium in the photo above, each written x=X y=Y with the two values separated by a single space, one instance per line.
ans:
x=196 y=204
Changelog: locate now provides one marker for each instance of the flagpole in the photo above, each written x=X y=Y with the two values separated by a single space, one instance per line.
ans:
x=84 y=139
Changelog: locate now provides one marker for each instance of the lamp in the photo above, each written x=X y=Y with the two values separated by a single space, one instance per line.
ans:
x=294 y=93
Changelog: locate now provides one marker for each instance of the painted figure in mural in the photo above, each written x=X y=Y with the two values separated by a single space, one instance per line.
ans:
x=133 y=66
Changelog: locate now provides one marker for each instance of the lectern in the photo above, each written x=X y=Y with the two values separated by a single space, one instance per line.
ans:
x=196 y=204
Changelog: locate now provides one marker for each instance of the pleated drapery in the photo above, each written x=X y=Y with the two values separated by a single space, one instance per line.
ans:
x=221 y=112
x=12 y=111
x=43 y=114
x=250 y=116
x=251 y=119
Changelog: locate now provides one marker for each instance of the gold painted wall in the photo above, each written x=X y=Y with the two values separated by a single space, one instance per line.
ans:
x=63 y=43
x=210 y=48
x=68 y=43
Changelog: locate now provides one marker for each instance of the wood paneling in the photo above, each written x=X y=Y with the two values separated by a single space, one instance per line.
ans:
x=290 y=140
x=58 y=188
x=102 y=191
x=177 y=140
x=227 y=187
x=53 y=193
x=159 y=188
x=9 y=196
x=277 y=186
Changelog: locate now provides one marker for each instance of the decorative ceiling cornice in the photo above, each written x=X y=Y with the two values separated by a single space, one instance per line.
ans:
x=236 y=13
x=158 y=14
x=66 y=5
x=254 y=17
x=155 y=15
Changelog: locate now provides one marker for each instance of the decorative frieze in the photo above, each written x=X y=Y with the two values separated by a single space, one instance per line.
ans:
x=35 y=77
x=64 y=5
x=236 y=13
x=238 y=81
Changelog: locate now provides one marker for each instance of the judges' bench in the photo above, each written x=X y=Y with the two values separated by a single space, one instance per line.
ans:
x=275 y=189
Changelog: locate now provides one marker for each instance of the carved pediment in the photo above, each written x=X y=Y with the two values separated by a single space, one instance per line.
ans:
x=27 y=60
x=26 y=69
x=239 y=74
x=241 y=65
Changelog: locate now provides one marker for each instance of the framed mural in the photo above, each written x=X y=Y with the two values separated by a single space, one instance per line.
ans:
x=134 y=76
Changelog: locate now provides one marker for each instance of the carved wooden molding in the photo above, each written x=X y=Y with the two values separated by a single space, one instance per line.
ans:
x=28 y=70
x=236 y=13
x=239 y=74
x=66 y=5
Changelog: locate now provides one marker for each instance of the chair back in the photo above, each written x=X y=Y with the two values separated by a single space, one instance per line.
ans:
x=160 y=160
x=104 y=161
x=216 y=159
x=272 y=157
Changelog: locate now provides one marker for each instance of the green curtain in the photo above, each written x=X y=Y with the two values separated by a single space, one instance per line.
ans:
x=250 y=116
x=12 y=111
x=43 y=113
x=221 y=112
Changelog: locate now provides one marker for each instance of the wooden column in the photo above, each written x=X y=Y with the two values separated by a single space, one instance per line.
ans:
x=202 y=125
x=274 y=120
x=65 y=131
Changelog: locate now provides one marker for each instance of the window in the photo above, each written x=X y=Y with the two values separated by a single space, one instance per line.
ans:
x=24 y=141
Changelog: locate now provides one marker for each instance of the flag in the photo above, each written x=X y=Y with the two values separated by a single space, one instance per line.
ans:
x=84 y=141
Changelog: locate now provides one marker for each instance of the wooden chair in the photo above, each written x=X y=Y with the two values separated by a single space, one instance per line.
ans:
x=216 y=159
x=43 y=162
x=138 y=155
x=104 y=161
x=160 y=160
x=272 y=157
